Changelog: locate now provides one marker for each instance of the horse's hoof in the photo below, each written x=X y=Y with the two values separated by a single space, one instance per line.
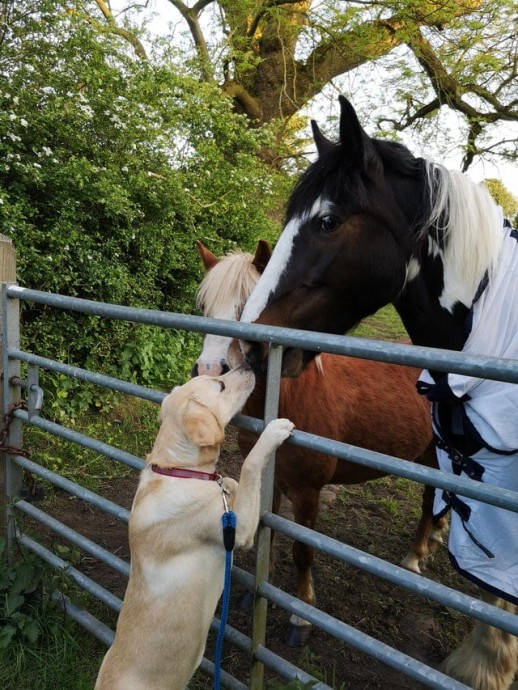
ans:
x=245 y=601
x=298 y=635
x=411 y=562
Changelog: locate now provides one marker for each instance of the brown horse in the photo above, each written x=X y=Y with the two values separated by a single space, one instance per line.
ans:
x=369 y=404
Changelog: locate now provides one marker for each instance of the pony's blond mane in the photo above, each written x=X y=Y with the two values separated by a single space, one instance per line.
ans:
x=473 y=231
x=229 y=282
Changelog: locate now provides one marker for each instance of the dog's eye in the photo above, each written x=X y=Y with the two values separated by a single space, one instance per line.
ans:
x=222 y=386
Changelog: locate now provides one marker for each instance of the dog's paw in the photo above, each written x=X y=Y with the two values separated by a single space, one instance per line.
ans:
x=276 y=432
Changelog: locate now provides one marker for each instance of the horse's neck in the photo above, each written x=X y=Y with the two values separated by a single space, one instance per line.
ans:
x=426 y=321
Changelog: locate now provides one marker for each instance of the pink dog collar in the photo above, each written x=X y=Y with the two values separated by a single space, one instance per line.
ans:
x=181 y=473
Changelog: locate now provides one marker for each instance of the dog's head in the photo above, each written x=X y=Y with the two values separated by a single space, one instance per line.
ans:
x=194 y=416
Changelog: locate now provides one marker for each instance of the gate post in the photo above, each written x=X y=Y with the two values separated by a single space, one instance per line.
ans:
x=10 y=474
x=262 y=567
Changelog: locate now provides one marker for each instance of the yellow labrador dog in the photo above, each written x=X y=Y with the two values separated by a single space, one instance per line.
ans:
x=176 y=537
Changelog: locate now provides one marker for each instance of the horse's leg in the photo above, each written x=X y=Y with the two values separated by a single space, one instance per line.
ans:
x=305 y=504
x=428 y=534
x=488 y=657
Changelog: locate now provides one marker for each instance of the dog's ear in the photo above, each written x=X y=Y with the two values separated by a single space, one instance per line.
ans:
x=201 y=425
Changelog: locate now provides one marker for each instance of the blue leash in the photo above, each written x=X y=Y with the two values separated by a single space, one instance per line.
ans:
x=228 y=520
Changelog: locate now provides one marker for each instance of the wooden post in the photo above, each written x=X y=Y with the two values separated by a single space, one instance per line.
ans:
x=10 y=474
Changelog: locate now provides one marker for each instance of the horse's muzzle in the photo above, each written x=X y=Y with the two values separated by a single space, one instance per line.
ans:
x=294 y=360
x=255 y=354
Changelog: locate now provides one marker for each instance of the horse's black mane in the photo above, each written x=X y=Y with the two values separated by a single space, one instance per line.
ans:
x=335 y=177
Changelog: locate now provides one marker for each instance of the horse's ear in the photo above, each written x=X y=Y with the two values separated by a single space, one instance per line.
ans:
x=262 y=255
x=352 y=134
x=208 y=258
x=322 y=142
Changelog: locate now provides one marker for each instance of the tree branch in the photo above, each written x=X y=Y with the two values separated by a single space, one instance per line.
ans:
x=191 y=16
x=346 y=51
x=113 y=28
x=450 y=92
x=264 y=10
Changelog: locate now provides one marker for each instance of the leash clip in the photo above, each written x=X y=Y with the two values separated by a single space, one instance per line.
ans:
x=224 y=494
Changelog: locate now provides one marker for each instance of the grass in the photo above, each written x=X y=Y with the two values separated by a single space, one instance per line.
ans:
x=384 y=325
x=65 y=656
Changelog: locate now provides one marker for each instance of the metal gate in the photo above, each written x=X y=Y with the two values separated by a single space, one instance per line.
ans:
x=261 y=658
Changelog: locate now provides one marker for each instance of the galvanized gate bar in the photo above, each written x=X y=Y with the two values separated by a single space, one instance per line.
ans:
x=360 y=640
x=85 y=375
x=79 y=578
x=91 y=623
x=280 y=666
x=503 y=498
x=412 y=355
x=273 y=661
x=396 y=574
x=74 y=537
x=86 y=441
x=442 y=360
x=227 y=681
x=104 y=504
x=486 y=493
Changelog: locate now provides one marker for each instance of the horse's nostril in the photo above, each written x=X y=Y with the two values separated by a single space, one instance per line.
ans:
x=194 y=371
x=224 y=367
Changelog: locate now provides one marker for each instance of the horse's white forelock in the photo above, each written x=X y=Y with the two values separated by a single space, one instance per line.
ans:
x=226 y=287
x=472 y=232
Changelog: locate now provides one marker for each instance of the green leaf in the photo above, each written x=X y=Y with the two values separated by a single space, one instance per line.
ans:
x=13 y=601
x=7 y=633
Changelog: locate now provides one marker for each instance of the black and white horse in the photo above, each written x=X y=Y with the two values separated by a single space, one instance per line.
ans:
x=368 y=224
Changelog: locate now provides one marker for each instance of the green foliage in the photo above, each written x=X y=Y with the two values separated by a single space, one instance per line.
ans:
x=503 y=197
x=39 y=647
x=24 y=598
x=110 y=168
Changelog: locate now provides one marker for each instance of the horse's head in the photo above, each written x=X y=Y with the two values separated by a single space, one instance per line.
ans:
x=222 y=294
x=346 y=248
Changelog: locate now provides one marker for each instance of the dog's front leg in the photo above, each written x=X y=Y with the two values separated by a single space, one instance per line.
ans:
x=247 y=498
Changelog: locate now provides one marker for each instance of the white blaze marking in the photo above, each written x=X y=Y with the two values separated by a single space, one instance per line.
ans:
x=273 y=271
x=278 y=262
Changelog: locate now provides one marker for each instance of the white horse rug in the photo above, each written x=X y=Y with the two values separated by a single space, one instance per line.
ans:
x=483 y=542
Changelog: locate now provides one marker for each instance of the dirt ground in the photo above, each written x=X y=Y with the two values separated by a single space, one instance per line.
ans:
x=379 y=518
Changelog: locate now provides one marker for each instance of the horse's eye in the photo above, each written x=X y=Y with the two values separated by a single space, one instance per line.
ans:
x=329 y=223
